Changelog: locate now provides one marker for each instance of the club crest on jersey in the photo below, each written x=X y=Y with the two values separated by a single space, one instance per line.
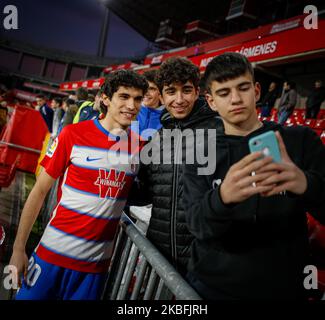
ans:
x=53 y=147
x=110 y=182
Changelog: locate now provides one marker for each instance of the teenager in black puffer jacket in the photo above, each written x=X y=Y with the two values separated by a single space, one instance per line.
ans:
x=162 y=184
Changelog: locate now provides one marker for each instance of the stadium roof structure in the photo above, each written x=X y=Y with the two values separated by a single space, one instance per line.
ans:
x=228 y=15
x=145 y=16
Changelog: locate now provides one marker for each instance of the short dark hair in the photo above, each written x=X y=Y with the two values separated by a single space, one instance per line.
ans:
x=82 y=94
x=58 y=100
x=291 y=84
x=40 y=96
x=177 y=69
x=227 y=66
x=91 y=97
x=68 y=101
x=125 y=78
x=150 y=75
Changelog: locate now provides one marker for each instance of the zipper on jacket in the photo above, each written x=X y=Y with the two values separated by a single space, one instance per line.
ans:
x=173 y=220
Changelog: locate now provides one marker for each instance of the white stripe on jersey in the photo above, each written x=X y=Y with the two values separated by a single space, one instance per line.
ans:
x=94 y=158
x=92 y=205
x=77 y=248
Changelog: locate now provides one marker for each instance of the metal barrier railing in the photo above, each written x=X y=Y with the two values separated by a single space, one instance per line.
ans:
x=138 y=271
x=19 y=147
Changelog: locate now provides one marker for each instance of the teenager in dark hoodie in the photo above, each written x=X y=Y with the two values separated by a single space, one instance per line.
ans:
x=249 y=217
x=162 y=183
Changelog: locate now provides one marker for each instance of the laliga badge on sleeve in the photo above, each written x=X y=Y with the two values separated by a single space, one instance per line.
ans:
x=53 y=147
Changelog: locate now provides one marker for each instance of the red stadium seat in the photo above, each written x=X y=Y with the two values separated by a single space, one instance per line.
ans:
x=310 y=123
x=299 y=121
x=322 y=136
x=318 y=131
x=274 y=115
x=298 y=113
x=320 y=124
x=321 y=114
x=7 y=173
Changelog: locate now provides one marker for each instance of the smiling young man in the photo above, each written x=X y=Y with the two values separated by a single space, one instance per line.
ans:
x=151 y=109
x=72 y=258
x=249 y=217
x=178 y=82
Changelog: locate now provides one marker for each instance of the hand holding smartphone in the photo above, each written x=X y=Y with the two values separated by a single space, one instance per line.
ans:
x=267 y=143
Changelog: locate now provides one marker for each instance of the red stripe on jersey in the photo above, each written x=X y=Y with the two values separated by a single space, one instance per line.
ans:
x=84 y=226
x=70 y=263
x=106 y=183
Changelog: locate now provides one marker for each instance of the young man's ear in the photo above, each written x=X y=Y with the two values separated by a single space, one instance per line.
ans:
x=197 y=92
x=105 y=99
x=161 y=99
x=257 y=89
x=210 y=101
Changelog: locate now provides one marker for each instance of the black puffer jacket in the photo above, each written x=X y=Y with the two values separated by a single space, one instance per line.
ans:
x=162 y=185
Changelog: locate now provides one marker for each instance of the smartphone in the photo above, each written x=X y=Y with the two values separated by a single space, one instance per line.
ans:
x=267 y=143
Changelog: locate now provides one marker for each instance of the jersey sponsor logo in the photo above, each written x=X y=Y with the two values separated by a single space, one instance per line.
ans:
x=110 y=182
x=92 y=159
x=53 y=147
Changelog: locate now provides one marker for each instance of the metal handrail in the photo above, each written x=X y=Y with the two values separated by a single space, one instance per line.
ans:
x=19 y=147
x=160 y=265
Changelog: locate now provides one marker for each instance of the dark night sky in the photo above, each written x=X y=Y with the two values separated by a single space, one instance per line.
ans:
x=72 y=25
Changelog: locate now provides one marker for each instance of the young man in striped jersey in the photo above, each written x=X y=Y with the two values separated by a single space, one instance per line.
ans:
x=96 y=168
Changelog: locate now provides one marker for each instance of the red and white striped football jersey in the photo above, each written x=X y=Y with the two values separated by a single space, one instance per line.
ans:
x=98 y=170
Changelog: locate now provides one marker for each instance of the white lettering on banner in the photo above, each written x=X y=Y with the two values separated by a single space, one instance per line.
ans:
x=285 y=26
x=205 y=62
x=157 y=59
x=96 y=84
x=255 y=51
x=259 y=50
x=74 y=85
x=11 y=20
x=311 y=21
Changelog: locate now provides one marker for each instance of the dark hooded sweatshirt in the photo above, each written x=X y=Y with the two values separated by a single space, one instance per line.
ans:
x=256 y=249
x=162 y=185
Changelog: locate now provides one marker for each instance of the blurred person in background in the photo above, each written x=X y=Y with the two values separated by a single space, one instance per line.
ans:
x=151 y=109
x=288 y=101
x=268 y=101
x=45 y=110
x=89 y=110
x=56 y=105
x=70 y=110
x=314 y=100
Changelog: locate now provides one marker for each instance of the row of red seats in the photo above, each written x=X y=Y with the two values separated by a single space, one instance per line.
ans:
x=298 y=118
